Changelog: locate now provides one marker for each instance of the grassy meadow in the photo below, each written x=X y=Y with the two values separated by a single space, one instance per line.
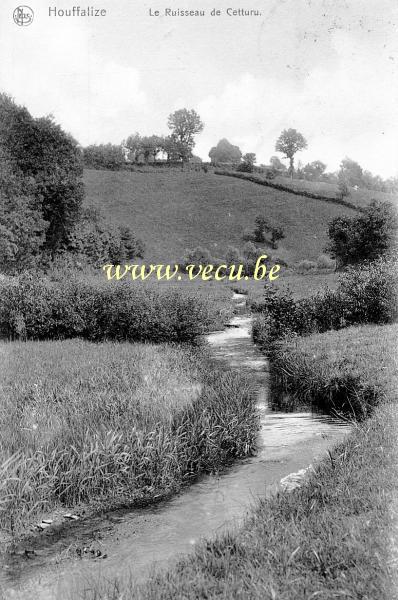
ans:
x=173 y=211
x=112 y=424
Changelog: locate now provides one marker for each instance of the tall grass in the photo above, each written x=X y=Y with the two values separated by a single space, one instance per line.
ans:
x=111 y=424
x=348 y=371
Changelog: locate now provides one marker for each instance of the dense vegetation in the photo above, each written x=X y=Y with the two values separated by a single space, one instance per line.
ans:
x=41 y=198
x=367 y=294
x=111 y=424
x=44 y=309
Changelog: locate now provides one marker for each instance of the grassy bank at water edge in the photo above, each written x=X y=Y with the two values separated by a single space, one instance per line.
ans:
x=111 y=424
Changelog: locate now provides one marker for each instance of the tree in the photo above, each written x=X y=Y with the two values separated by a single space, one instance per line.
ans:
x=261 y=227
x=352 y=172
x=277 y=164
x=277 y=233
x=314 y=170
x=367 y=236
x=225 y=152
x=184 y=124
x=41 y=150
x=342 y=186
x=289 y=142
x=22 y=227
x=250 y=158
x=133 y=144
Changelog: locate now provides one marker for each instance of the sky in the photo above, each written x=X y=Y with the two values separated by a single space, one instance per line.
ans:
x=328 y=68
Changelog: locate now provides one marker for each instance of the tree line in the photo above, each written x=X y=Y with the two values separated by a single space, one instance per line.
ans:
x=178 y=148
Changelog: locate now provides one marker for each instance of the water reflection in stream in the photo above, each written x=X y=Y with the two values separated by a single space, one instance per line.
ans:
x=137 y=540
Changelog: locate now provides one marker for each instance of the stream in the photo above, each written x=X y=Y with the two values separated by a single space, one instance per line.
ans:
x=138 y=541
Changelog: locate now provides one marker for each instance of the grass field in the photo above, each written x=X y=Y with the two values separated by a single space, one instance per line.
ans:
x=111 y=424
x=326 y=539
x=175 y=211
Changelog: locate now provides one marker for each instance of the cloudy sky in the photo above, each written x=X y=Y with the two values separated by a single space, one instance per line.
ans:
x=328 y=68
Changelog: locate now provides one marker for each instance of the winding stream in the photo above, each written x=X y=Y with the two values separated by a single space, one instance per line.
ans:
x=137 y=541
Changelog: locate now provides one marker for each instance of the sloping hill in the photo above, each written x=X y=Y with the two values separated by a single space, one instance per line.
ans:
x=172 y=211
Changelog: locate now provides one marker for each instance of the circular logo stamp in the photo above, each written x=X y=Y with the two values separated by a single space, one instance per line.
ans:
x=23 y=16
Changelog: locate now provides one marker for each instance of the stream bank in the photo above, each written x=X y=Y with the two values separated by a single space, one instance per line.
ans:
x=137 y=541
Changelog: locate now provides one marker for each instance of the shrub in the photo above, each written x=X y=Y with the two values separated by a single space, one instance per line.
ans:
x=325 y=262
x=367 y=236
x=98 y=241
x=198 y=256
x=104 y=156
x=40 y=309
x=368 y=294
x=233 y=256
x=306 y=265
x=245 y=167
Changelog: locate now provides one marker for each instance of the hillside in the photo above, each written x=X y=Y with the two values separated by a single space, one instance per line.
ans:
x=358 y=197
x=172 y=211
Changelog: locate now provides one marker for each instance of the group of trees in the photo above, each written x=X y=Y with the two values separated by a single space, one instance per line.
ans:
x=177 y=147
x=41 y=190
x=289 y=143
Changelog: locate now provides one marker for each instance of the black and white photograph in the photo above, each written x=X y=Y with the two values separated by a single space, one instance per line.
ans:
x=198 y=300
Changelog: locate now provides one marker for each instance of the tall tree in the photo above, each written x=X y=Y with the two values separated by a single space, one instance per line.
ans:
x=40 y=149
x=184 y=124
x=351 y=172
x=314 y=170
x=133 y=144
x=289 y=142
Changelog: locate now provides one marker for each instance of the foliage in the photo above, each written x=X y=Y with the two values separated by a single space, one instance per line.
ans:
x=314 y=170
x=184 y=124
x=41 y=150
x=104 y=156
x=245 y=167
x=306 y=265
x=198 y=256
x=249 y=158
x=225 y=152
x=289 y=143
x=364 y=237
x=97 y=240
x=351 y=172
x=22 y=227
x=325 y=262
x=262 y=227
x=40 y=309
x=366 y=294
x=277 y=164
